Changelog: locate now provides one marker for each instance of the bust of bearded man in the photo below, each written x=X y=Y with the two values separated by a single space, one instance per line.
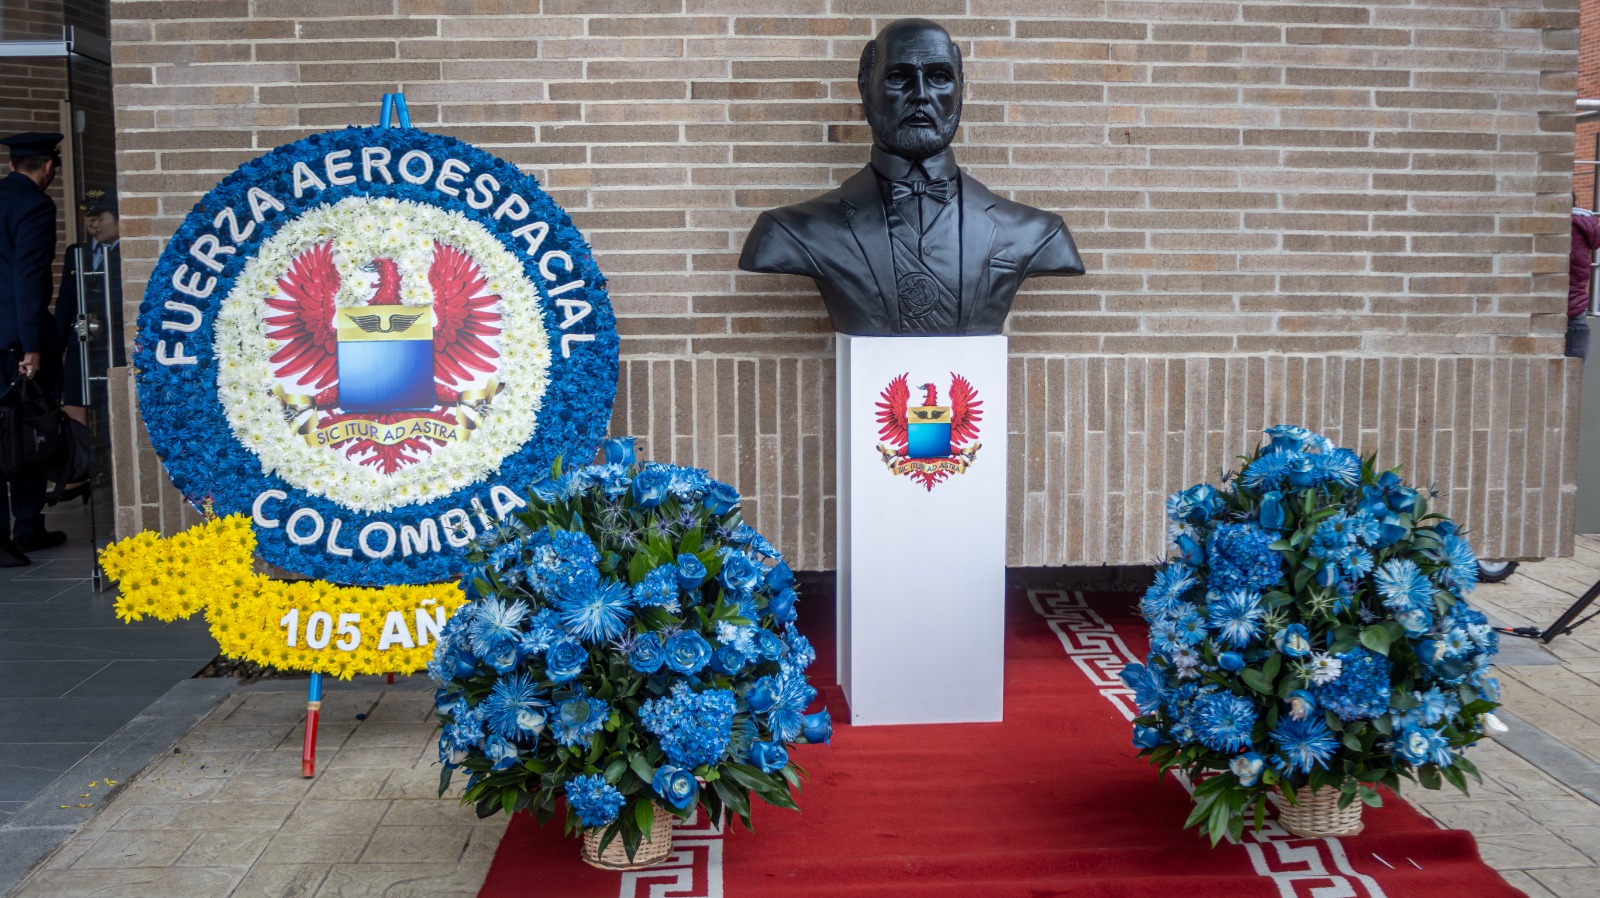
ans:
x=911 y=245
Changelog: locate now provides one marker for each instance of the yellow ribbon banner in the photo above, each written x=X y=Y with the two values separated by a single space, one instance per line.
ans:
x=955 y=464
x=308 y=625
x=386 y=434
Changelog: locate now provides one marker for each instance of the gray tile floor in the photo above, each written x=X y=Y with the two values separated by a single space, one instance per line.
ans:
x=71 y=674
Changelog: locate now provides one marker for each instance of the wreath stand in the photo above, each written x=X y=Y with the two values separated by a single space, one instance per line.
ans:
x=392 y=113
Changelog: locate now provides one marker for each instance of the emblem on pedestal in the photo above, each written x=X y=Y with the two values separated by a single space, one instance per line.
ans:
x=929 y=442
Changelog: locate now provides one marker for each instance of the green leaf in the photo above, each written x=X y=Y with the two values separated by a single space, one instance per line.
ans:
x=644 y=814
x=1257 y=681
x=444 y=779
x=615 y=768
x=637 y=568
x=1271 y=668
x=1376 y=637
x=641 y=767
x=690 y=543
x=1428 y=776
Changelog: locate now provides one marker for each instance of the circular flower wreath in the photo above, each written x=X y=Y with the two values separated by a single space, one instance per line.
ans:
x=628 y=643
x=1312 y=631
x=188 y=425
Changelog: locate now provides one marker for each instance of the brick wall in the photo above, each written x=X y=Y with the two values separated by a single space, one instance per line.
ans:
x=1588 y=89
x=1360 y=195
x=31 y=93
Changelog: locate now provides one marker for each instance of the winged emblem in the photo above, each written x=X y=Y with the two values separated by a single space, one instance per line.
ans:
x=368 y=363
x=929 y=442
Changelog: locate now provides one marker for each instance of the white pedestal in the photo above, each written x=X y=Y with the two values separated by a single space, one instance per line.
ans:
x=921 y=571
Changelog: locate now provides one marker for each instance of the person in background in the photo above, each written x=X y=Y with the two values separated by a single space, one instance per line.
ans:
x=1585 y=238
x=101 y=258
x=28 y=339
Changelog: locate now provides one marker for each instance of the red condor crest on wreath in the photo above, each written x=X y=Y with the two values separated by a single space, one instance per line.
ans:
x=389 y=374
x=929 y=442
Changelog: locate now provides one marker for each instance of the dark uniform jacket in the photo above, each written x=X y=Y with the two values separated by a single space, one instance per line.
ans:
x=841 y=240
x=27 y=249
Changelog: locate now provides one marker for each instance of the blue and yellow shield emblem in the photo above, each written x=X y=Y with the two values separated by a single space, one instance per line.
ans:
x=928 y=431
x=385 y=358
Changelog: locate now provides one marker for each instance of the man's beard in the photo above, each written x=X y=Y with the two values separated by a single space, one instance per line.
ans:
x=908 y=142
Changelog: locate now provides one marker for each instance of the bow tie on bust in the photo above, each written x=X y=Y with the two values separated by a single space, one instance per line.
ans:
x=941 y=189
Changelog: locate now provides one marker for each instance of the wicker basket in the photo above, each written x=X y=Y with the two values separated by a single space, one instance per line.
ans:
x=653 y=848
x=1318 y=815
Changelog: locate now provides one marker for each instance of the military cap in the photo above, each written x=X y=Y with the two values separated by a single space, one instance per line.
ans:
x=32 y=143
x=98 y=201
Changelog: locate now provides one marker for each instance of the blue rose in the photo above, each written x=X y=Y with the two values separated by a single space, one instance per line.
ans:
x=564 y=660
x=1293 y=641
x=782 y=606
x=1301 y=704
x=1390 y=531
x=619 y=451
x=1432 y=651
x=739 y=574
x=1247 y=767
x=501 y=752
x=1146 y=737
x=769 y=756
x=727 y=661
x=1193 y=553
x=779 y=577
x=760 y=698
x=1272 y=513
x=691 y=573
x=465 y=663
x=1230 y=661
x=768 y=645
x=720 y=498
x=687 y=652
x=504 y=657
x=650 y=487
x=1327 y=575
x=1402 y=500
x=1416 y=621
x=817 y=727
x=1302 y=472
x=1445 y=528
x=675 y=785
x=648 y=653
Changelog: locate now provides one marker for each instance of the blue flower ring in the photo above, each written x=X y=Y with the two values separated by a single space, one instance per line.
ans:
x=373 y=341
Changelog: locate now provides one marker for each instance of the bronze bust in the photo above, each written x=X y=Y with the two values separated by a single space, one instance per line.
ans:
x=911 y=245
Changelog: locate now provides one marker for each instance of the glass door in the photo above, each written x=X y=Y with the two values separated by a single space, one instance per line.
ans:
x=93 y=325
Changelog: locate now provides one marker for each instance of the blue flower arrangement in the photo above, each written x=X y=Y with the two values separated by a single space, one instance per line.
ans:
x=628 y=646
x=1311 y=630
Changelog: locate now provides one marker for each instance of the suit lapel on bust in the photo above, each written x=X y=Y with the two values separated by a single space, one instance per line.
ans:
x=864 y=216
x=977 y=240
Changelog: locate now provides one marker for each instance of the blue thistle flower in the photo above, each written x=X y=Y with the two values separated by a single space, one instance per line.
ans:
x=514 y=708
x=597 y=614
x=495 y=622
x=1402 y=585
x=1304 y=744
x=1460 y=573
x=1223 y=721
x=791 y=694
x=1164 y=598
x=1236 y=616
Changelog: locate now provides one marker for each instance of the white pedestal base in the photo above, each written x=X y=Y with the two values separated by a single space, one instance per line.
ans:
x=921 y=571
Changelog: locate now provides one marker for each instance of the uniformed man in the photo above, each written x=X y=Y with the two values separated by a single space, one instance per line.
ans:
x=27 y=333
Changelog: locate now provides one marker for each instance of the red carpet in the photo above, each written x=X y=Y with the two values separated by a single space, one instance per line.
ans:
x=1050 y=802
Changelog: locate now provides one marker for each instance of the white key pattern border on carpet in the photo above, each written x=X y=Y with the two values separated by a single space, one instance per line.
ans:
x=693 y=870
x=1302 y=868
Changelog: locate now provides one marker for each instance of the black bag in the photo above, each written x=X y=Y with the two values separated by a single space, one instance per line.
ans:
x=30 y=426
x=75 y=462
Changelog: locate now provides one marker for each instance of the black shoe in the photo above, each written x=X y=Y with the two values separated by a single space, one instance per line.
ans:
x=45 y=539
x=11 y=556
x=81 y=491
